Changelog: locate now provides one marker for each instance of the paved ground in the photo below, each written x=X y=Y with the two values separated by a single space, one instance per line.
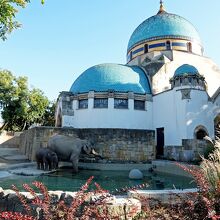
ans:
x=11 y=156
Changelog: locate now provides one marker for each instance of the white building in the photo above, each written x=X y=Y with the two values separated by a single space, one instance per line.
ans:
x=167 y=86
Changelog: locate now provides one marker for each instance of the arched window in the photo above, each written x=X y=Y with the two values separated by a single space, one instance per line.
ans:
x=146 y=48
x=200 y=132
x=131 y=55
x=189 y=47
x=168 y=45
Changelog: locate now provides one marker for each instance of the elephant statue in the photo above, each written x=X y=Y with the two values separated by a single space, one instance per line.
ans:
x=69 y=148
x=46 y=159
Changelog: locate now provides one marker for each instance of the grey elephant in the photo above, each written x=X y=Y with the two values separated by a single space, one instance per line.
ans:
x=46 y=159
x=69 y=148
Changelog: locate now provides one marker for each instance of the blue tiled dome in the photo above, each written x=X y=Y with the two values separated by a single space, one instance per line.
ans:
x=163 y=25
x=186 y=69
x=117 y=77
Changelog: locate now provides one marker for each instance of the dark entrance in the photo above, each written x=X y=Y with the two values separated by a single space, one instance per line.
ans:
x=160 y=143
x=217 y=127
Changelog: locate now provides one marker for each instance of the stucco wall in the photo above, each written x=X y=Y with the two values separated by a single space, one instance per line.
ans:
x=112 y=144
x=109 y=117
x=199 y=112
x=180 y=117
x=205 y=66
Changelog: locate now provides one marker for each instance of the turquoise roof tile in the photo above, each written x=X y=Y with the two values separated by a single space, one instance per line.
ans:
x=163 y=25
x=186 y=69
x=117 y=77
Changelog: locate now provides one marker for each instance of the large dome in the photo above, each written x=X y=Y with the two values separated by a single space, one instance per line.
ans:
x=117 y=77
x=161 y=26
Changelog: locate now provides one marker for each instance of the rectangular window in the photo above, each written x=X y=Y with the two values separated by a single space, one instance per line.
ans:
x=67 y=105
x=121 y=103
x=139 y=105
x=83 y=103
x=100 y=103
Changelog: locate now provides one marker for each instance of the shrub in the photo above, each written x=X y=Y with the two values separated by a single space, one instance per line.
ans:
x=207 y=177
x=211 y=167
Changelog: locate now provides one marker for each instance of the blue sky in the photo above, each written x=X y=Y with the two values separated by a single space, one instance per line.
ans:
x=61 y=39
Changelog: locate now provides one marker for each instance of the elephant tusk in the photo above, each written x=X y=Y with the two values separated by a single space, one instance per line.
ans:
x=94 y=152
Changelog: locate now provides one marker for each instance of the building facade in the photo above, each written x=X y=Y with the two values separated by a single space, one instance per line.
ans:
x=167 y=86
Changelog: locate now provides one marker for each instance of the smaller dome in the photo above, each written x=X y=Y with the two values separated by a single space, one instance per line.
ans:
x=109 y=76
x=186 y=69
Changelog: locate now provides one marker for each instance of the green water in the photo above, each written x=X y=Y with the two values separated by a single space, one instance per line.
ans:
x=109 y=180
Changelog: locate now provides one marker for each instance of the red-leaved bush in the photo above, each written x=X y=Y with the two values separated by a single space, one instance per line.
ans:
x=85 y=204
x=15 y=216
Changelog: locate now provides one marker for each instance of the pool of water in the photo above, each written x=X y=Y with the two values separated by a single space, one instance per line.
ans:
x=110 y=180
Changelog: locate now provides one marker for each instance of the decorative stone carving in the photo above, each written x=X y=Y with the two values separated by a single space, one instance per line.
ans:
x=91 y=94
x=186 y=93
x=111 y=94
x=130 y=95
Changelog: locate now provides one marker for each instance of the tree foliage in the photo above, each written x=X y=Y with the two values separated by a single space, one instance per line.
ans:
x=20 y=106
x=48 y=118
x=8 y=10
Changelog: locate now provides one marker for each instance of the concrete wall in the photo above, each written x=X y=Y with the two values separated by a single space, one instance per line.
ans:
x=113 y=144
x=10 y=139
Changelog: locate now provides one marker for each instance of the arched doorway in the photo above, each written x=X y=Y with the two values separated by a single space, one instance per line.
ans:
x=200 y=132
x=217 y=126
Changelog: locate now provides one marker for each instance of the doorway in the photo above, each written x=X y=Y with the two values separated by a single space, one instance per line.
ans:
x=160 y=143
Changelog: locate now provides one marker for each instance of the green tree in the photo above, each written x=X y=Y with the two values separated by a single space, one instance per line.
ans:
x=8 y=10
x=37 y=105
x=48 y=118
x=20 y=106
x=7 y=89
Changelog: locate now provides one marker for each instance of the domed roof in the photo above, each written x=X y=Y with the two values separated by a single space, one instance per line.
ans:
x=163 y=25
x=117 y=77
x=186 y=69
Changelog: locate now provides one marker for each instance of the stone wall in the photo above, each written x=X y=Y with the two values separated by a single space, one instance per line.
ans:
x=191 y=150
x=113 y=144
